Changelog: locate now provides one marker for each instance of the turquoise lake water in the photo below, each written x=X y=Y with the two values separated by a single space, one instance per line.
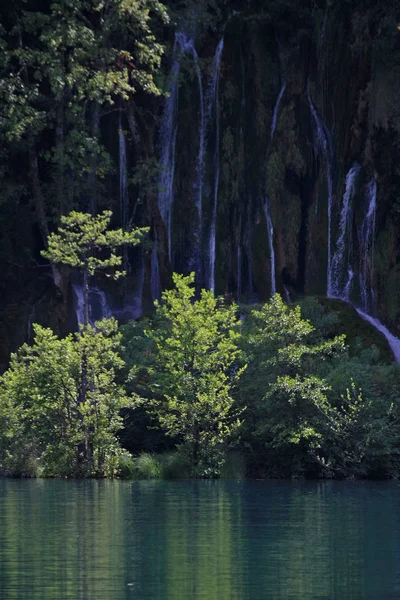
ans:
x=209 y=540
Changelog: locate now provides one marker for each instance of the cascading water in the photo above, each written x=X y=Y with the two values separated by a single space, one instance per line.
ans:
x=267 y=210
x=123 y=189
x=212 y=104
x=367 y=234
x=393 y=341
x=349 y=281
x=200 y=157
x=324 y=144
x=340 y=280
x=341 y=284
x=270 y=228
x=168 y=132
x=98 y=305
x=276 y=109
x=78 y=302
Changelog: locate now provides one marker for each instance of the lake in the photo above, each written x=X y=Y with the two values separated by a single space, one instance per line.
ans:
x=183 y=540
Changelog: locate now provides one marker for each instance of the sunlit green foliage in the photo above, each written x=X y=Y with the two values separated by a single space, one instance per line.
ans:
x=44 y=417
x=79 y=241
x=81 y=237
x=194 y=373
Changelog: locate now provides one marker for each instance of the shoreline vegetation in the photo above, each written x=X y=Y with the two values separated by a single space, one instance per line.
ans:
x=276 y=386
x=151 y=110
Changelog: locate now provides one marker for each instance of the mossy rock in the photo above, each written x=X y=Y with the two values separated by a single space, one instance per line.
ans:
x=356 y=329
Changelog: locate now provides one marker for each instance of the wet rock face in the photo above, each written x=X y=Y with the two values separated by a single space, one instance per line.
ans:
x=296 y=96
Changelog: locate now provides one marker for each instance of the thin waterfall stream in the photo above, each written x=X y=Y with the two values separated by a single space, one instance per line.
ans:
x=267 y=208
x=98 y=305
x=276 y=109
x=213 y=104
x=367 y=235
x=324 y=144
x=168 y=133
x=267 y=212
x=340 y=279
x=342 y=274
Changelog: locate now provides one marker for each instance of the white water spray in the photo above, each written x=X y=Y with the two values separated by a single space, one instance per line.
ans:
x=168 y=132
x=270 y=228
x=339 y=274
x=213 y=104
x=367 y=235
x=98 y=305
x=393 y=341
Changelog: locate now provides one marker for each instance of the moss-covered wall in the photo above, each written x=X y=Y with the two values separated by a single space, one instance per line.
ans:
x=348 y=56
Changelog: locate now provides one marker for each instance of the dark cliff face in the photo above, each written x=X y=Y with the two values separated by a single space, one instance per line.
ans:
x=341 y=64
x=303 y=94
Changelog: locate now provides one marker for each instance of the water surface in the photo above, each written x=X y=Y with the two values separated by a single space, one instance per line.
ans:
x=222 y=540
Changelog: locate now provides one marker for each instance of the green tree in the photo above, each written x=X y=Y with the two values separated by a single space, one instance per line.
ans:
x=64 y=66
x=288 y=409
x=85 y=243
x=81 y=241
x=194 y=373
x=43 y=415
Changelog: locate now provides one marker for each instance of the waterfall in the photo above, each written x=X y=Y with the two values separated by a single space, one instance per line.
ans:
x=393 y=341
x=270 y=228
x=338 y=287
x=200 y=158
x=212 y=103
x=276 y=109
x=79 y=303
x=324 y=143
x=187 y=45
x=123 y=180
x=168 y=132
x=366 y=261
x=98 y=305
x=367 y=235
x=349 y=281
